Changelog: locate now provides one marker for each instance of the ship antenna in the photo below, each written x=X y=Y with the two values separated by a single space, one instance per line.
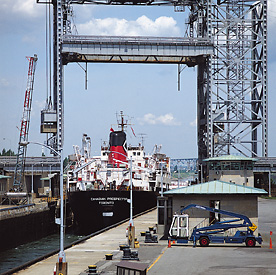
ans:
x=142 y=137
x=121 y=121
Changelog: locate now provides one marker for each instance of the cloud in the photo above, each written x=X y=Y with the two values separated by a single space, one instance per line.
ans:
x=27 y=9
x=4 y=82
x=167 y=119
x=162 y=26
x=271 y=10
x=193 y=123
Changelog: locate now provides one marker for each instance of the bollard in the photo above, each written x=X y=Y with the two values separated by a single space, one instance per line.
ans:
x=108 y=256
x=270 y=241
x=92 y=269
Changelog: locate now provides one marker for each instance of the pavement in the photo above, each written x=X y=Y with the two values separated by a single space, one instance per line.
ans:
x=179 y=259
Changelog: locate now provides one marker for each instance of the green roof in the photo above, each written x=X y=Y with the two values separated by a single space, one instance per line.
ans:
x=4 y=177
x=230 y=158
x=216 y=187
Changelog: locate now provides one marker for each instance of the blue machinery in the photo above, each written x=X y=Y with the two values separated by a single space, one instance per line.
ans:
x=212 y=233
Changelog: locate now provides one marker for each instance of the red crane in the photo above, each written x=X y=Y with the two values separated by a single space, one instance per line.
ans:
x=24 y=129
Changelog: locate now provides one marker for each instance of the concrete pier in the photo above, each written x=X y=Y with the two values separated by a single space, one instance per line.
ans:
x=179 y=259
x=94 y=249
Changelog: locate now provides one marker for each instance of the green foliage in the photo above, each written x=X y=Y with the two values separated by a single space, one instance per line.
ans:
x=7 y=153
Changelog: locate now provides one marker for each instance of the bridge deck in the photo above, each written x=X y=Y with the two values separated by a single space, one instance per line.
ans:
x=171 y=50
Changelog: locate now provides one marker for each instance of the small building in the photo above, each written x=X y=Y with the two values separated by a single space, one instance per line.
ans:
x=236 y=169
x=217 y=194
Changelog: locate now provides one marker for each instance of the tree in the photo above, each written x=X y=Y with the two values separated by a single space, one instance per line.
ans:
x=7 y=153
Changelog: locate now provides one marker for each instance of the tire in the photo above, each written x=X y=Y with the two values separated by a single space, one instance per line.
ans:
x=204 y=241
x=250 y=242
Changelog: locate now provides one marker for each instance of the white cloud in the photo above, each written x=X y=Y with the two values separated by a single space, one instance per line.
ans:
x=4 y=82
x=193 y=123
x=26 y=8
x=167 y=119
x=271 y=10
x=162 y=26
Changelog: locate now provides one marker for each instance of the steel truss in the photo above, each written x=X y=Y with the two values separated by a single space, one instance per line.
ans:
x=233 y=103
x=232 y=83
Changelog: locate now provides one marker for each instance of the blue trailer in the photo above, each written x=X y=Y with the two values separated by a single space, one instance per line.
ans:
x=216 y=232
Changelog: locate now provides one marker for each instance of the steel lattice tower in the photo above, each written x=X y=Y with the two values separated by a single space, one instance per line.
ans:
x=232 y=87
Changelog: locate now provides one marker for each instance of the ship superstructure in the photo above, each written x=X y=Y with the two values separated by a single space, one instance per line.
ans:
x=109 y=172
x=99 y=187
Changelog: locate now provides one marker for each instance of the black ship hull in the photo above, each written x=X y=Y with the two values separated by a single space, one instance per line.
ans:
x=96 y=209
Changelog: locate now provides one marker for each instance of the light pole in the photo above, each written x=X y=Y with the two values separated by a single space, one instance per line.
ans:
x=161 y=163
x=50 y=181
x=131 y=206
x=61 y=254
x=178 y=174
x=32 y=183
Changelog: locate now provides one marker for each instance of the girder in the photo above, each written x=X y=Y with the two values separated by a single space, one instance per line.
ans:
x=135 y=49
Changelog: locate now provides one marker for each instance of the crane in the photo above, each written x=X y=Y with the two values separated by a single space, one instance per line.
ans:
x=24 y=128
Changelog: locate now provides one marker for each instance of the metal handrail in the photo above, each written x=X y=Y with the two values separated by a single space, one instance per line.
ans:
x=135 y=39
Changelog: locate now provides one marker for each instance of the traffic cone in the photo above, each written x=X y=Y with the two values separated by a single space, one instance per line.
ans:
x=270 y=241
x=169 y=244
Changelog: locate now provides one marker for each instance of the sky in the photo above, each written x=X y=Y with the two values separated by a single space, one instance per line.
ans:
x=146 y=93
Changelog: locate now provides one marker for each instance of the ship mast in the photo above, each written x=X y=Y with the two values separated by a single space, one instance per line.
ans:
x=122 y=121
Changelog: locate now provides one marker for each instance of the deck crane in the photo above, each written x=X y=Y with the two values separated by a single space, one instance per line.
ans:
x=24 y=128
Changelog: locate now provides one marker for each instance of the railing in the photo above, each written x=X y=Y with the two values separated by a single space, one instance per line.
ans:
x=135 y=39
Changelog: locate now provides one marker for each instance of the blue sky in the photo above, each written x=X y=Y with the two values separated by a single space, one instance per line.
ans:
x=147 y=93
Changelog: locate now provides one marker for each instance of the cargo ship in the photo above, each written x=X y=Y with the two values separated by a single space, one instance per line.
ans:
x=100 y=187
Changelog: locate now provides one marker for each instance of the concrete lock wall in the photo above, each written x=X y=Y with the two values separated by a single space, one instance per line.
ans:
x=241 y=204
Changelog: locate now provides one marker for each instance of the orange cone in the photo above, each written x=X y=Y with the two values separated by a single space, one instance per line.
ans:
x=270 y=242
x=169 y=244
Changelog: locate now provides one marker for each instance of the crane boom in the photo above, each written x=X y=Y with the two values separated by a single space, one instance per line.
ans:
x=24 y=127
x=220 y=211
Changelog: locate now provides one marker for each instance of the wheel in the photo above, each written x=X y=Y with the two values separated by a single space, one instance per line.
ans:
x=204 y=241
x=250 y=242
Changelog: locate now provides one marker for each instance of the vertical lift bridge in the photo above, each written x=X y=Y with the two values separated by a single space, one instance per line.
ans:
x=232 y=81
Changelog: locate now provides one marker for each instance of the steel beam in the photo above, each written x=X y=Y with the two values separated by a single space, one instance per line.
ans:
x=235 y=108
x=135 y=49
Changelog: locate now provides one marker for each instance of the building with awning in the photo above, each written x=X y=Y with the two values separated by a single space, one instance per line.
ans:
x=216 y=194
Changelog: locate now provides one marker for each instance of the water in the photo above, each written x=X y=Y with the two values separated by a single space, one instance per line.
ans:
x=17 y=256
